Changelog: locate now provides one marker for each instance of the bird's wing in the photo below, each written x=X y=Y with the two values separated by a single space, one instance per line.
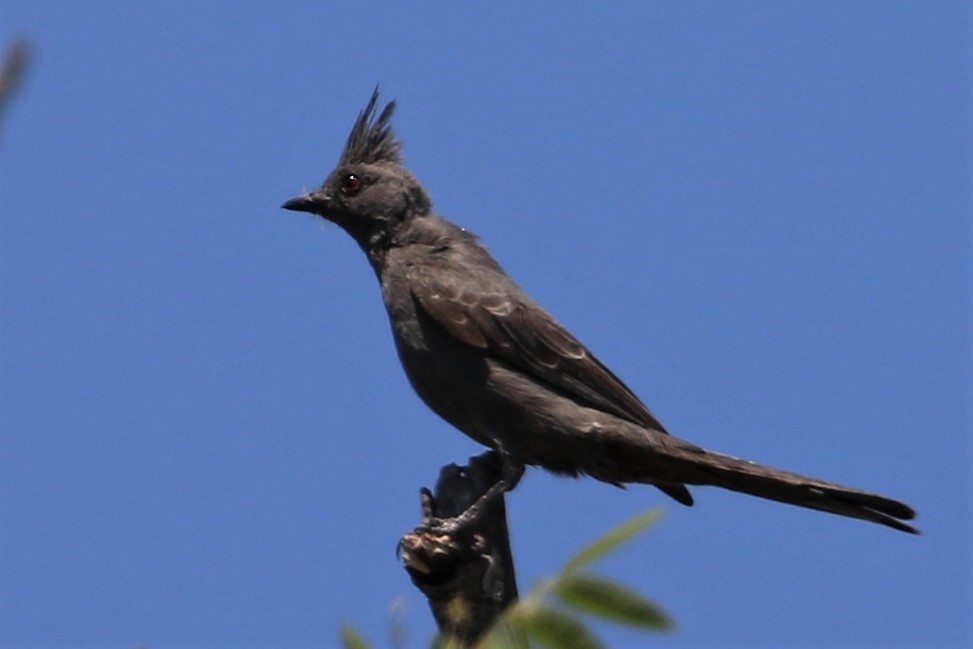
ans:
x=486 y=310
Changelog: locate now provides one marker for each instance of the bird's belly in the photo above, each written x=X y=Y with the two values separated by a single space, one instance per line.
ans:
x=452 y=383
x=503 y=408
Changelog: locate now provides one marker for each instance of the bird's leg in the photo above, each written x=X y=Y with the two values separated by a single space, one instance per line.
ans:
x=511 y=471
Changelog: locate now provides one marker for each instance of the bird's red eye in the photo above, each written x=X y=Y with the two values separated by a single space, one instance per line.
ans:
x=350 y=184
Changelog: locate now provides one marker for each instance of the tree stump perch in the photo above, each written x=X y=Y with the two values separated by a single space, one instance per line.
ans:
x=467 y=577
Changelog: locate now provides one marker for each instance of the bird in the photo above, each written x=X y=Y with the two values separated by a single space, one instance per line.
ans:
x=488 y=359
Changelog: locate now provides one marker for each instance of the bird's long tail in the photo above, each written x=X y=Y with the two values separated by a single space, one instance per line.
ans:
x=701 y=467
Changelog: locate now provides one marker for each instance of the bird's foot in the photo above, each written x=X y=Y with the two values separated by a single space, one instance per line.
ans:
x=510 y=475
x=472 y=514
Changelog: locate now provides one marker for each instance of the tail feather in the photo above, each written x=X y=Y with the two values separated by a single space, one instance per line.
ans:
x=677 y=492
x=703 y=467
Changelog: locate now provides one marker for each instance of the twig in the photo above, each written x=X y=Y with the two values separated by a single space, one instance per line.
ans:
x=12 y=70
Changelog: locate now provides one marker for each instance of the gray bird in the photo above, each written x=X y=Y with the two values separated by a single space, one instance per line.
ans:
x=494 y=364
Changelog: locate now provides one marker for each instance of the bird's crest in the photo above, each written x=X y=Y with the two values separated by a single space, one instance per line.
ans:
x=371 y=140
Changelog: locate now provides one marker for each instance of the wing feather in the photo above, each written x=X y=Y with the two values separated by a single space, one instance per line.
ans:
x=486 y=310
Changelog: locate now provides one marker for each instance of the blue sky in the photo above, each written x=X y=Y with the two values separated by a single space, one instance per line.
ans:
x=756 y=213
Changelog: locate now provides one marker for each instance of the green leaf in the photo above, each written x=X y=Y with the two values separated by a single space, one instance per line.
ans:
x=351 y=639
x=557 y=630
x=624 y=532
x=608 y=600
x=503 y=635
x=450 y=642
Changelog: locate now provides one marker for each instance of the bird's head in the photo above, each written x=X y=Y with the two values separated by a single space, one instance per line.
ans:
x=369 y=194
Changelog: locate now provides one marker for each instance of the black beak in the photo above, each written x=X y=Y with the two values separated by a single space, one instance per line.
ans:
x=314 y=203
